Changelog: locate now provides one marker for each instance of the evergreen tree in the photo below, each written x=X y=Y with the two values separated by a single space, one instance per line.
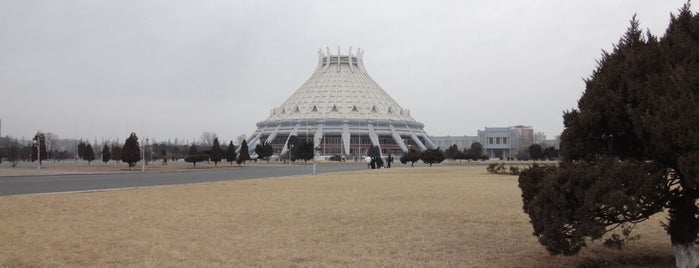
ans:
x=303 y=150
x=116 y=152
x=193 y=149
x=452 y=152
x=374 y=152
x=89 y=154
x=106 y=155
x=244 y=153
x=264 y=151
x=535 y=152
x=13 y=154
x=147 y=154
x=41 y=143
x=460 y=155
x=195 y=156
x=411 y=156
x=475 y=151
x=230 y=153
x=296 y=149
x=81 y=149
x=163 y=154
x=550 y=153
x=216 y=154
x=432 y=156
x=630 y=150
x=131 y=151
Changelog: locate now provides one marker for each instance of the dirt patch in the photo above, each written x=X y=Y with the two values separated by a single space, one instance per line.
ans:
x=438 y=217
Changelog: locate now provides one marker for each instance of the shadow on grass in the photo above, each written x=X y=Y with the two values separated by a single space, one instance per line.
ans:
x=631 y=261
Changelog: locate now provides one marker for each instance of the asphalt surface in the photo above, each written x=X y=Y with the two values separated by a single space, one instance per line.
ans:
x=95 y=182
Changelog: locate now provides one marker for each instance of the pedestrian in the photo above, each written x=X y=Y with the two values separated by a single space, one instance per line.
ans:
x=373 y=163
x=368 y=162
x=389 y=160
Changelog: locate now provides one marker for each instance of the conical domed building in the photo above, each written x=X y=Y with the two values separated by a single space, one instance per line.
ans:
x=343 y=111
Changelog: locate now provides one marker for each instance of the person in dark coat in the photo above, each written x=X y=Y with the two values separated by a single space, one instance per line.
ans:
x=389 y=160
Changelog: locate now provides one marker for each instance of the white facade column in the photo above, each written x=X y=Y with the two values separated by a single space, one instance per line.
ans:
x=273 y=135
x=397 y=138
x=292 y=133
x=317 y=135
x=346 y=138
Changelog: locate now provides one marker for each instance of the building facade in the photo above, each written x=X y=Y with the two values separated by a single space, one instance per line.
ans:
x=461 y=142
x=505 y=142
x=343 y=111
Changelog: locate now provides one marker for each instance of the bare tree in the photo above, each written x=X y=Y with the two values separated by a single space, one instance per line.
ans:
x=51 y=136
x=207 y=138
x=539 y=138
x=239 y=139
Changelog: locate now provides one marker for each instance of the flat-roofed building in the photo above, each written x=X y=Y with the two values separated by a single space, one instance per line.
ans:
x=505 y=142
x=461 y=142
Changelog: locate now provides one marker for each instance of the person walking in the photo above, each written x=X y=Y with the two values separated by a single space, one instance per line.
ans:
x=368 y=162
x=389 y=160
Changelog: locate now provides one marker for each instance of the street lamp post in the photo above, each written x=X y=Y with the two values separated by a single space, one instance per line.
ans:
x=143 y=156
x=37 y=144
x=38 y=152
x=315 y=156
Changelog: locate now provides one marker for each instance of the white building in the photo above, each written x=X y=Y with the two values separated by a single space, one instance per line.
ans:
x=498 y=142
x=504 y=142
x=343 y=111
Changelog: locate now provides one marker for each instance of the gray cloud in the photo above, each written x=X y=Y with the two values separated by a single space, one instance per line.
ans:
x=178 y=68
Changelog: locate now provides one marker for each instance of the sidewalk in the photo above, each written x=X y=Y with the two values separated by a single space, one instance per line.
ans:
x=27 y=171
x=81 y=167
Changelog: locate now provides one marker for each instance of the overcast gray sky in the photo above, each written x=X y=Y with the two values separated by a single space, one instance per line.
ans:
x=174 y=69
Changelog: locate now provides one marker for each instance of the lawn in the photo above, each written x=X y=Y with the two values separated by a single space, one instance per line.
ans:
x=437 y=217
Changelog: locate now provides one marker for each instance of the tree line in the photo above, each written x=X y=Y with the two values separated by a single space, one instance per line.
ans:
x=130 y=152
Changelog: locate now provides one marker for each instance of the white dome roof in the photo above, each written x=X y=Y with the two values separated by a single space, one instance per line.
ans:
x=340 y=88
x=342 y=103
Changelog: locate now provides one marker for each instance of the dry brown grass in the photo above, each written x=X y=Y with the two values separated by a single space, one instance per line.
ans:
x=438 y=217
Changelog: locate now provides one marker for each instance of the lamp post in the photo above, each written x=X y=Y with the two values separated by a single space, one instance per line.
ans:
x=37 y=143
x=38 y=152
x=48 y=150
x=315 y=156
x=143 y=156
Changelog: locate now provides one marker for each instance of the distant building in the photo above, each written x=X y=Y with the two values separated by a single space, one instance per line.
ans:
x=525 y=136
x=504 y=142
x=498 y=142
x=556 y=143
x=462 y=142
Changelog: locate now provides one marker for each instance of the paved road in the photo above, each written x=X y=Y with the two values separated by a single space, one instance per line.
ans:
x=70 y=183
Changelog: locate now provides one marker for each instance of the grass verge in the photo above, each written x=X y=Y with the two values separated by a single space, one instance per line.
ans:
x=438 y=217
